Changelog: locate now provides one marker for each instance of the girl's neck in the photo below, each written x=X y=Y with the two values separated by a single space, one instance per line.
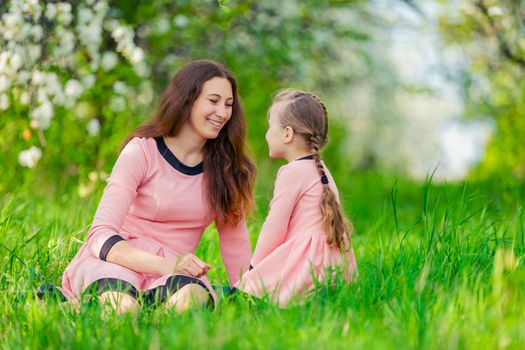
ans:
x=296 y=154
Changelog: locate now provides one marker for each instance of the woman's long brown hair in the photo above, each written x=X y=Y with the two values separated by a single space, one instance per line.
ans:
x=228 y=172
x=306 y=114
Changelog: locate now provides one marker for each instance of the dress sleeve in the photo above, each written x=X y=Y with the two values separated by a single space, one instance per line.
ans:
x=287 y=191
x=128 y=173
x=235 y=249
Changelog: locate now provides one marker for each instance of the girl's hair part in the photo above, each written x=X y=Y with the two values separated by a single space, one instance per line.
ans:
x=229 y=174
x=306 y=114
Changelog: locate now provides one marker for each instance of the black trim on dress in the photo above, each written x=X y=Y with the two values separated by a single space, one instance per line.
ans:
x=173 y=284
x=106 y=247
x=112 y=285
x=306 y=157
x=175 y=162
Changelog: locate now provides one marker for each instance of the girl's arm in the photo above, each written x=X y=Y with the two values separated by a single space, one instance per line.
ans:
x=235 y=249
x=287 y=191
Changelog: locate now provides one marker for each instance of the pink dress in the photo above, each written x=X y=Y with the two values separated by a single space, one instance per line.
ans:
x=157 y=204
x=292 y=245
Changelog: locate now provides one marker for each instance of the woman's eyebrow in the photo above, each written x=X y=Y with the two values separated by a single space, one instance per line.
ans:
x=219 y=96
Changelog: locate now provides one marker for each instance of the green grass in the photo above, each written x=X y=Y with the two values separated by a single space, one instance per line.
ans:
x=440 y=267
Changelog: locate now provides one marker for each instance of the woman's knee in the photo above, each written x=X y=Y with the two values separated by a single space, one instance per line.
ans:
x=119 y=302
x=189 y=296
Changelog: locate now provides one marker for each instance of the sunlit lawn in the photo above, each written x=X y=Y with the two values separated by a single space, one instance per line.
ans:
x=440 y=267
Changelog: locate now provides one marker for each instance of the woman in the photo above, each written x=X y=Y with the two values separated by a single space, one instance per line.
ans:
x=176 y=173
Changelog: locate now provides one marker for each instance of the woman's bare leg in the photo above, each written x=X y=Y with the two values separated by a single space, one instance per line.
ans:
x=188 y=297
x=118 y=302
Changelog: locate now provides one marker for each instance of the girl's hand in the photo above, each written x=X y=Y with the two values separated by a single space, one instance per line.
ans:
x=189 y=264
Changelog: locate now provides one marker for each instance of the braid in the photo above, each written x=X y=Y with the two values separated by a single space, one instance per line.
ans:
x=314 y=147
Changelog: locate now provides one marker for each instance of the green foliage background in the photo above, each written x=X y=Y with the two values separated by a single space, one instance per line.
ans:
x=441 y=265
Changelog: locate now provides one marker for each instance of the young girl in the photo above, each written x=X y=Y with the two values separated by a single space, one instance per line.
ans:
x=305 y=233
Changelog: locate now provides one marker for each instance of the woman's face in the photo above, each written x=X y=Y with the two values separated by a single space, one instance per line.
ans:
x=212 y=109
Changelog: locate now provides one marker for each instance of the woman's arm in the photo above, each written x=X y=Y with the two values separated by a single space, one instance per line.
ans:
x=129 y=171
x=235 y=249
x=127 y=255
x=104 y=241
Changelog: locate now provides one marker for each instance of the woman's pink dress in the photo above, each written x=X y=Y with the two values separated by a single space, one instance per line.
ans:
x=157 y=204
x=292 y=249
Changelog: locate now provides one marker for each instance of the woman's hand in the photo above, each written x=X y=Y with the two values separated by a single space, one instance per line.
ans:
x=189 y=264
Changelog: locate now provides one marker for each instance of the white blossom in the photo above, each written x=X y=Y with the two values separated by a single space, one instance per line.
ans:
x=141 y=69
x=52 y=84
x=23 y=33
x=4 y=83
x=120 y=87
x=4 y=102
x=4 y=57
x=25 y=98
x=34 y=53
x=59 y=98
x=495 y=11
x=33 y=8
x=181 y=21
x=23 y=77
x=51 y=11
x=37 y=32
x=42 y=115
x=73 y=88
x=28 y=78
x=67 y=43
x=42 y=96
x=64 y=13
x=161 y=26
x=85 y=15
x=109 y=61
x=93 y=127
x=15 y=61
x=38 y=77
x=30 y=157
x=11 y=25
x=88 y=81
x=136 y=55
x=101 y=6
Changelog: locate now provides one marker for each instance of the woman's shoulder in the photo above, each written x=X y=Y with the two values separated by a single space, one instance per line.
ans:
x=142 y=141
x=142 y=147
x=145 y=143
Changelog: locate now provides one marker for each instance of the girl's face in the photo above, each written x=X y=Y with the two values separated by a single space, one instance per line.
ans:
x=275 y=135
x=212 y=109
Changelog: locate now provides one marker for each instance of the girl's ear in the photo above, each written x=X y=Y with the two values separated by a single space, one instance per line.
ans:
x=288 y=134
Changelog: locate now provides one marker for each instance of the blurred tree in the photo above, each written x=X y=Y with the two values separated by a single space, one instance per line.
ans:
x=492 y=33
x=268 y=45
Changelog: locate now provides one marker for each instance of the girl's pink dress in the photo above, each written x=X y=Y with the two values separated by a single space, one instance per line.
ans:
x=291 y=250
x=157 y=204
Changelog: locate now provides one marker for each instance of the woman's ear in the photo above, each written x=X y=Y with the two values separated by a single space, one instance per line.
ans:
x=288 y=134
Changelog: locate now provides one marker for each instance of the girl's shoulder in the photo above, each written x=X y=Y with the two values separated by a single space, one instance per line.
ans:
x=298 y=170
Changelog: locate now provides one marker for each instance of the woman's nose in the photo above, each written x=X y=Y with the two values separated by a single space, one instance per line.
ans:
x=221 y=111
